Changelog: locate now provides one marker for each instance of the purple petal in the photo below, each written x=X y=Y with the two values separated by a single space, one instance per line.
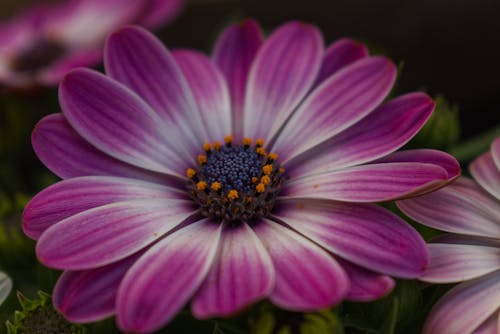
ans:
x=368 y=183
x=162 y=281
x=367 y=235
x=242 y=273
x=341 y=101
x=89 y=296
x=487 y=174
x=386 y=129
x=234 y=53
x=67 y=198
x=307 y=278
x=338 y=55
x=465 y=307
x=119 y=123
x=210 y=92
x=495 y=152
x=455 y=263
x=462 y=207
x=109 y=233
x=461 y=239
x=68 y=155
x=490 y=325
x=159 y=12
x=282 y=73
x=366 y=285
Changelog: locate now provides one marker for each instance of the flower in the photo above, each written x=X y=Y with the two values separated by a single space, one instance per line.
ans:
x=5 y=286
x=41 y=45
x=470 y=253
x=228 y=180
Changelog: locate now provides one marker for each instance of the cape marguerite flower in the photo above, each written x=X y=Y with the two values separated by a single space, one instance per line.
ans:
x=470 y=253
x=41 y=45
x=227 y=180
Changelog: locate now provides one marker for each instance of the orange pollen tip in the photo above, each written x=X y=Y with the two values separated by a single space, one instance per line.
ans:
x=217 y=145
x=260 y=187
x=232 y=194
x=202 y=185
x=282 y=170
x=190 y=173
x=265 y=180
x=259 y=142
x=207 y=147
x=261 y=151
x=202 y=159
x=228 y=139
x=272 y=156
x=254 y=179
x=267 y=169
x=215 y=186
x=249 y=199
x=247 y=141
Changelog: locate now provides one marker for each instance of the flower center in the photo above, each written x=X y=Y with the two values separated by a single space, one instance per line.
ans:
x=37 y=56
x=235 y=182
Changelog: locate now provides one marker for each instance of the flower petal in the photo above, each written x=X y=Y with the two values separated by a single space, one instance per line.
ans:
x=341 y=101
x=462 y=207
x=465 y=307
x=364 y=234
x=138 y=59
x=495 y=152
x=234 y=53
x=116 y=121
x=5 y=286
x=90 y=295
x=455 y=263
x=307 y=278
x=338 y=55
x=159 y=12
x=366 y=285
x=68 y=155
x=109 y=233
x=282 y=73
x=487 y=174
x=242 y=273
x=210 y=92
x=69 y=197
x=368 y=183
x=461 y=239
x=490 y=325
x=383 y=131
x=161 y=282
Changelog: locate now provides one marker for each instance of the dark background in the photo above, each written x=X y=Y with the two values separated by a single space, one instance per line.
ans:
x=449 y=47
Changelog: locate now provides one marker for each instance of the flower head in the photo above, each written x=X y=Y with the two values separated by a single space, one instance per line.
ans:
x=470 y=253
x=41 y=45
x=228 y=180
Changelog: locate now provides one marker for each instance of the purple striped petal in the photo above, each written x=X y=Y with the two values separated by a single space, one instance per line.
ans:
x=109 y=233
x=162 y=281
x=307 y=278
x=461 y=239
x=386 y=129
x=210 y=92
x=337 y=104
x=118 y=122
x=368 y=183
x=159 y=12
x=366 y=285
x=462 y=207
x=282 y=73
x=490 y=325
x=338 y=55
x=465 y=307
x=234 y=53
x=367 y=235
x=69 y=197
x=138 y=59
x=90 y=295
x=495 y=152
x=242 y=273
x=487 y=174
x=455 y=263
x=68 y=155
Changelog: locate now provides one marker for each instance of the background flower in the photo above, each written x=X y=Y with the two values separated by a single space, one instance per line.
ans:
x=470 y=254
x=5 y=286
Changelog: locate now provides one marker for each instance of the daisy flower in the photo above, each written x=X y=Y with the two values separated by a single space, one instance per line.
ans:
x=41 y=45
x=470 y=253
x=230 y=179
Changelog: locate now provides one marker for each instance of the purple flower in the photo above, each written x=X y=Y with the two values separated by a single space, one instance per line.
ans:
x=43 y=44
x=228 y=180
x=470 y=253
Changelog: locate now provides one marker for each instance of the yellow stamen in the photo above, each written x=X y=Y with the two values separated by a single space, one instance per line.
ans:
x=247 y=141
x=272 y=156
x=207 y=147
x=232 y=194
x=190 y=173
x=282 y=170
x=202 y=185
x=254 y=179
x=249 y=199
x=260 y=187
x=217 y=145
x=259 y=142
x=202 y=159
x=265 y=180
x=228 y=139
x=216 y=186
x=267 y=169
x=261 y=151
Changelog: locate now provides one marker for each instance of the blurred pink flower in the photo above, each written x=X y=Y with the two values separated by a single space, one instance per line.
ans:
x=41 y=45
x=470 y=253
